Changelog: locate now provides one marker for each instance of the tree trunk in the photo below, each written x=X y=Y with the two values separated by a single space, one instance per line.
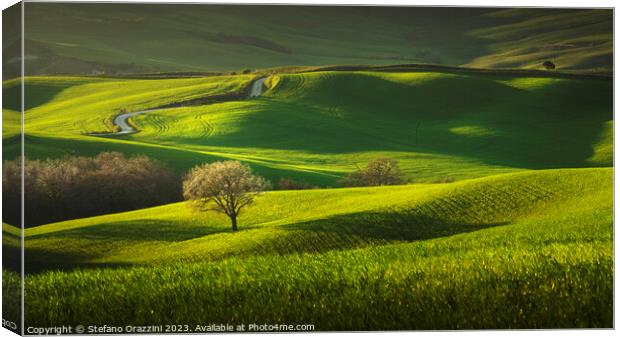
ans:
x=233 y=219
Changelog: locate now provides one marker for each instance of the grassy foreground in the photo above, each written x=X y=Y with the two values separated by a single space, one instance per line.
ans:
x=528 y=250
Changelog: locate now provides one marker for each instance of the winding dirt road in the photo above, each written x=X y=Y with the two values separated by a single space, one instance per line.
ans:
x=121 y=122
x=257 y=87
x=125 y=128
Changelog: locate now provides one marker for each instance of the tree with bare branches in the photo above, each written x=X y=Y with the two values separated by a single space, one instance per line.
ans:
x=225 y=187
x=74 y=187
x=378 y=172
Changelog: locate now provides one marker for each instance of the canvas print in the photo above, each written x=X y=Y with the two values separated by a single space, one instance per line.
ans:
x=196 y=168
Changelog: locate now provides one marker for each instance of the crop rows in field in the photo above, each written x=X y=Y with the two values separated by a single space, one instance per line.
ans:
x=293 y=222
x=318 y=126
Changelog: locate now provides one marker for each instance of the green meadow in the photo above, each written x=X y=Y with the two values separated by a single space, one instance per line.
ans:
x=524 y=250
x=317 y=126
x=521 y=239
x=505 y=219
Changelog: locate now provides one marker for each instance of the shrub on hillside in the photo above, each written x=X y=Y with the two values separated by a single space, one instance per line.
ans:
x=290 y=184
x=74 y=187
x=549 y=65
x=379 y=172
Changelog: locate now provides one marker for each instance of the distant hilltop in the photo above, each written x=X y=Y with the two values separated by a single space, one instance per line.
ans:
x=112 y=39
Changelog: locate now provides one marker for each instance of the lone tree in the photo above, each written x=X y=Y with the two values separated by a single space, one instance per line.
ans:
x=381 y=171
x=224 y=187
x=549 y=65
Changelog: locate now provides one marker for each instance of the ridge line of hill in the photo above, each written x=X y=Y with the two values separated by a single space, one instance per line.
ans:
x=399 y=67
x=412 y=67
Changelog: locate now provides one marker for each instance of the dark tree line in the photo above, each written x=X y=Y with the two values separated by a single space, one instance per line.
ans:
x=75 y=187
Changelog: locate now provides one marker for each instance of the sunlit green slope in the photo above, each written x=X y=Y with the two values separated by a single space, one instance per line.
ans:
x=320 y=220
x=437 y=124
x=527 y=250
x=318 y=126
x=75 y=105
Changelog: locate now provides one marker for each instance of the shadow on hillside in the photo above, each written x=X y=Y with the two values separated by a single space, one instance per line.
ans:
x=338 y=232
x=549 y=127
x=180 y=160
x=35 y=95
x=389 y=226
x=135 y=231
x=11 y=251
x=40 y=260
x=103 y=237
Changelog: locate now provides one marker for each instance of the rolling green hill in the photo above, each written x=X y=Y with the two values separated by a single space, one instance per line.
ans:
x=317 y=126
x=506 y=220
x=529 y=250
x=122 y=38
x=317 y=220
x=536 y=239
x=70 y=105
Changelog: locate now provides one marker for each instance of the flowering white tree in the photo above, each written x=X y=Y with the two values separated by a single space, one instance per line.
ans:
x=225 y=187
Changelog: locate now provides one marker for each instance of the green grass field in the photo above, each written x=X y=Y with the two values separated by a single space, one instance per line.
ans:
x=525 y=250
x=318 y=126
x=121 y=38
x=314 y=221
x=521 y=239
x=506 y=220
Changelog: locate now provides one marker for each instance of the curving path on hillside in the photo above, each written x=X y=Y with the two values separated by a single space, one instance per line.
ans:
x=122 y=120
x=257 y=87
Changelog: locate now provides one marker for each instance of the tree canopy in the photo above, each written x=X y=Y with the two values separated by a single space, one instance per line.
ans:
x=225 y=187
